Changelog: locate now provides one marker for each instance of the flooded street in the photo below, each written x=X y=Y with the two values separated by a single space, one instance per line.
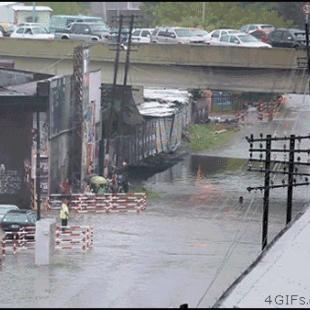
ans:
x=189 y=244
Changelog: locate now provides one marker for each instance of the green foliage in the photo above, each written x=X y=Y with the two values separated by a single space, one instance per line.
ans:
x=67 y=8
x=205 y=137
x=217 y=14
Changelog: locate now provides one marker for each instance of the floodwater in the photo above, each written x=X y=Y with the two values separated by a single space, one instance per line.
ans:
x=188 y=245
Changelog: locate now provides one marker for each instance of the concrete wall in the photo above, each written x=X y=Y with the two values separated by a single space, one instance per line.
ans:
x=185 y=55
x=181 y=66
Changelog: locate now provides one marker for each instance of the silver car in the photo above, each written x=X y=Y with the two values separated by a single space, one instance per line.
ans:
x=177 y=35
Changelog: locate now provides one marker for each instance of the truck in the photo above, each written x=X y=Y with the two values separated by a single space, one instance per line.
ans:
x=84 y=31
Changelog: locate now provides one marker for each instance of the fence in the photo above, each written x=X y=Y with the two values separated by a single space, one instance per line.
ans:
x=14 y=241
x=105 y=203
x=74 y=237
x=66 y=238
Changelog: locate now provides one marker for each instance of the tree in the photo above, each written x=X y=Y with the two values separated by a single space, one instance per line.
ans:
x=67 y=8
x=217 y=14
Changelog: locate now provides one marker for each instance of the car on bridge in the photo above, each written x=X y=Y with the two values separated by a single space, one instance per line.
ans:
x=242 y=39
x=32 y=32
x=176 y=35
x=287 y=37
x=142 y=35
x=84 y=31
x=215 y=35
x=201 y=33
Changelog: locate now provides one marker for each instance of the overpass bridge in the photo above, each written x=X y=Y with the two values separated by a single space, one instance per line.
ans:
x=177 y=66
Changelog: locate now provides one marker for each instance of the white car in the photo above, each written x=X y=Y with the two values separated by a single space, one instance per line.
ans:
x=32 y=32
x=241 y=39
x=1 y=34
x=201 y=33
x=215 y=35
x=141 y=35
x=176 y=35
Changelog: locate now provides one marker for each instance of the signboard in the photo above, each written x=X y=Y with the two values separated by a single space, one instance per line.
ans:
x=306 y=8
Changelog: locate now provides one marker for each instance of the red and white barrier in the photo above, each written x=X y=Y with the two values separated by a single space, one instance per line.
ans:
x=14 y=241
x=74 y=237
x=105 y=203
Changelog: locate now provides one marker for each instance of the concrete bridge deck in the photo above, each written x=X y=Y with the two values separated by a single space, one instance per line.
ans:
x=183 y=66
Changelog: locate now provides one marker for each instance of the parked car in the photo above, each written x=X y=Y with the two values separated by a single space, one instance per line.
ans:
x=1 y=34
x=62 y=22
x=32 y=32
x=6 y=208
x=242 y=39
x=84 y=31
x=287 y=37
x=201 y=33
x=176 y=35
x=113 y=35
x=249 y=28
x=215 y=35
x=142 y=35
x=16 y=219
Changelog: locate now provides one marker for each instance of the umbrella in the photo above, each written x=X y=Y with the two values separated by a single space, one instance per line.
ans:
x=97 y=179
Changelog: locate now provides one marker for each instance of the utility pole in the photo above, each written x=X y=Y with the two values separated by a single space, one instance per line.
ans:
x=107 y=131
x=33 y=12
x=38 y=187
x=266 y=192
x=289 y=168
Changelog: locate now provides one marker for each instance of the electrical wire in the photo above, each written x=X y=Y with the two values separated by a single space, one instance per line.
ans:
x=234 y=242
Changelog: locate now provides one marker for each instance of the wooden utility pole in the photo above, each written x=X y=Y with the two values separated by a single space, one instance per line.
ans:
x=291 y=172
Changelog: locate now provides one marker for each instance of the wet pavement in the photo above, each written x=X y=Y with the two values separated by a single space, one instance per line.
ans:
x=187 y=246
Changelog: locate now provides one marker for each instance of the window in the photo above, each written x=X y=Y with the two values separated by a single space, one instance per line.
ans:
x=277 y=35
x=287 y=36
x=145 y=33
x=234 y=39
x=252 y=27
x=84 y=29
x=183 y=32
x=162 y=33
x=224 y=38
x=39 y=30
x=136 y=33
x=20 y=30
x=28 y=31
x=215 y=34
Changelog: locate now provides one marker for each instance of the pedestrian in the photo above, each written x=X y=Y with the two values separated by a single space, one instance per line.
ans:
x=64 y=213
x=65 y=187
x=114 y=184
x=2 y=169
x=125 y=182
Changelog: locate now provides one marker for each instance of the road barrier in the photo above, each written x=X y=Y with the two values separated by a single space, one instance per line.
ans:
x=105 y=203
x=74 y=237
x=14 y=241
x=66 y=238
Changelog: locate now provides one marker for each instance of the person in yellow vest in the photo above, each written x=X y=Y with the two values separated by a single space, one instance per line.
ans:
x=64 y=212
